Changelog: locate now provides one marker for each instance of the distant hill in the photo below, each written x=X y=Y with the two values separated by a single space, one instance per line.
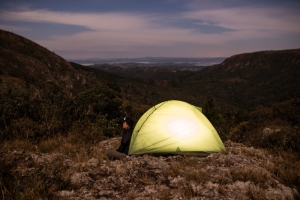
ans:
x=30 y=63
x=144 y=71
x=251 y=79
x=23 y=59
x=154 y=60
x=240 y=81
x=152 y=67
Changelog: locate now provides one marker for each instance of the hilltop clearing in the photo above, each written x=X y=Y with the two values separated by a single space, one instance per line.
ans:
x=240 y=173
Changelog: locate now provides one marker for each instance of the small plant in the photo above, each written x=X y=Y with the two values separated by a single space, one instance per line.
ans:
x=287 y=169
x=164 y=194
x=256 y=176
x=188 y=191
x=256 y=193
x=239 y=131
x=198 y=176
x=35 y=181
x=147 y=180
x=174 y=170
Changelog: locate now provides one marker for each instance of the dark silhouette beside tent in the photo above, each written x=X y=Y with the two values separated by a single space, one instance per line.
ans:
x=128 y=125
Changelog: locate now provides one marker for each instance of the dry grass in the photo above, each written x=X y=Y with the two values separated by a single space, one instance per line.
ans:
x=257 y=176
x=198 y=176
x=130 y=195
x=18 y=144
x=147 y=180
x=221 y=189
x=51 y=145
x=174 y=170
x=4 y=190
x=37 y=181
x=186 y=168
x=256 y=193
x=77 y=151
x=164 y=195
x=287 y=169
x=187 y=191
x=42 y=181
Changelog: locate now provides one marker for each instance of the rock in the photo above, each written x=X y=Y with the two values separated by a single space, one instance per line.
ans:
x=80 y=179
x=65 y=193
x=162 y=187
x=93 y=162
x=267 y=132
x=115 y=155
x=240 y=173
x=68 y=163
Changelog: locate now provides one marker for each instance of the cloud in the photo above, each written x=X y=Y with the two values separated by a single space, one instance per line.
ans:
x=119 y=27
x=94 y=21
x=250 y=19
x=123 y=33
x=13 y=28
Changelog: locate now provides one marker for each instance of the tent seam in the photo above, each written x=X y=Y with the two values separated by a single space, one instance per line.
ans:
x=146 y=120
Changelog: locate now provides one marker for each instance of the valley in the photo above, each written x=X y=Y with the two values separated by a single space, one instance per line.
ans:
x=56 y=113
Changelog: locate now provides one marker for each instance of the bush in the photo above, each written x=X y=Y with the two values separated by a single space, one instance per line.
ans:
x=282 y=117
x=288 y=139
x=50 y=109
x=13 y=104
x=213 y=114
x=99 y=100
x=37 y=182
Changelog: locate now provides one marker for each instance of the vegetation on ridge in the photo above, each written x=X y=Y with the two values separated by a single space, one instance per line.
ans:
x=49 y=110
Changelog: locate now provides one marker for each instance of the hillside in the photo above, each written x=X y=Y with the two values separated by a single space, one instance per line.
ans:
x=252 y=79
x=146 y=71
x=240 y=82
x=43 y=95
x=33 y=64
x=23 y=59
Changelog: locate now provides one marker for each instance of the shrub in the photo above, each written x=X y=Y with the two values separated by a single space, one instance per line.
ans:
x=13 y=104
x=213 y=114
x=288 y=139
x=50 y=109
x=40 y=181
x=52 y=106
x=99 y=100
x=238 y=133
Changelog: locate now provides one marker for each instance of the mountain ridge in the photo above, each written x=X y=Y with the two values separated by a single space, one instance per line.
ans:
x=33 y=64
x=151 y=60
x=235 y=81
x=265 y=73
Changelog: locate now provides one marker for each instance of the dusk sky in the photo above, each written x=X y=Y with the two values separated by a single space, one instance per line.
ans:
x=77 y=29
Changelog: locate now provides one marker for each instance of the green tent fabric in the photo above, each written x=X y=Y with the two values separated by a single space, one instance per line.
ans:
x=174 y=127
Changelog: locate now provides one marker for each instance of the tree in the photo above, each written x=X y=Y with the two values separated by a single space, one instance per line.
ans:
x=213 y=114
x=51 y=104
x=13 y=104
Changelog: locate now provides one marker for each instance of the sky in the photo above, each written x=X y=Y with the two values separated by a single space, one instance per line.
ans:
x=77 y=29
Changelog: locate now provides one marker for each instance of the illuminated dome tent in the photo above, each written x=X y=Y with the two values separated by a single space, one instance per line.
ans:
x=174 y=127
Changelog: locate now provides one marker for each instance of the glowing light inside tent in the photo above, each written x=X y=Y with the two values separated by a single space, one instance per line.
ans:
x=182 y=127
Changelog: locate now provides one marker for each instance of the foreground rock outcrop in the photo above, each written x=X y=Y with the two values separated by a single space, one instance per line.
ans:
x=240 y=173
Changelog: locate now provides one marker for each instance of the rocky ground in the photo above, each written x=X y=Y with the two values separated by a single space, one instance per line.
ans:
x=240 y=173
